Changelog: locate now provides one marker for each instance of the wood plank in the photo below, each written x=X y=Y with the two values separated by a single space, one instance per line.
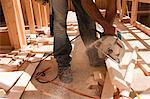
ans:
x=17 y=90
x=115 y=74
x=130 y=70
x=5 y=60
x=142 y=27
x=37 y=13
x=8 y=79
x=30 y=16
x=107 y=86
x=14 y=23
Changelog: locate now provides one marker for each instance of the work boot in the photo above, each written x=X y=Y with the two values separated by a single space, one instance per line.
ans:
x=65 y=74
x=94 y=59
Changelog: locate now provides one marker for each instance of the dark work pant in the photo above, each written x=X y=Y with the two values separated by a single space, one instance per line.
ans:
x=52 y=23
x=62 y=46
x=87 y=26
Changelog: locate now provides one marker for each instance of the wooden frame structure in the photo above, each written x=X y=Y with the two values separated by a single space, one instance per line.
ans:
x=134 y=16
x=36 y=14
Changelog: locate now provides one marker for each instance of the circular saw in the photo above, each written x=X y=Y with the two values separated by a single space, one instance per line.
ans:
x=110 y=47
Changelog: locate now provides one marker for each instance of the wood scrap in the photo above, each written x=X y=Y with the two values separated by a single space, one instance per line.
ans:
x=7 y=80
x=16 y=62
x=17 y=90
x=99 y=77
x=130 y=70
x=5 y=60
x=2 y=92
x=22 y=55
x=115 y=74
x=91 y=83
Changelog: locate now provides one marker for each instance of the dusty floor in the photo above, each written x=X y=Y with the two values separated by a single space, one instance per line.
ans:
x=81 y=72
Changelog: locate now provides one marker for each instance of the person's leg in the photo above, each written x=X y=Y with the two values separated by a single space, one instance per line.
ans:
x=87 y=28
x=62 y=45
x=52 y=23
x=111 y=11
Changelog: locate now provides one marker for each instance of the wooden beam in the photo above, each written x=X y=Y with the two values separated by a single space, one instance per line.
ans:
x=44 y=16
x=142 y=27
x=124 y=7
x=37 y=13
x=30 y=16
x=134 y=11
x=14 y=20
x=24 y=12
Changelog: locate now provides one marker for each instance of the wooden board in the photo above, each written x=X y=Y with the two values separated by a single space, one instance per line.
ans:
x=17 y=90
x=8 y=79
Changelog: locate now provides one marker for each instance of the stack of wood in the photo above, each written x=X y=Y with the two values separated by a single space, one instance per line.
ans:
x=13 y=60
x=10 y=81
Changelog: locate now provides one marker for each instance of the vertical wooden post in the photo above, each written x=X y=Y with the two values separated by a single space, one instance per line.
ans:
x=24 y=12
x=44 y=16
x=134 y=11
x=124 y=7
x=30 y=16
x=97 y=3
x=119 y=8
x=37 y=13
x=14 y=20
x=48 y=12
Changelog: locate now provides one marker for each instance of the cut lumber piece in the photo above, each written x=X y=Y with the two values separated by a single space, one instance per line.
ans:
x=108 y=88
x=145 y=68
x=99 y=77
x=130 y=69
x=16 y=62
x=5 y=60
x=17 y=90
x=2 y=92
x=37 y=57
x=43 y=49
x=115 y=74
x=92 y=84
x=22 y=55
x=8 y=68
x=8 y=79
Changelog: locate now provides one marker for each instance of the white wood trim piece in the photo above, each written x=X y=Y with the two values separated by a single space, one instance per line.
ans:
x=115 y=74
x=17 y=90
x=7 y=80
x=130 y=69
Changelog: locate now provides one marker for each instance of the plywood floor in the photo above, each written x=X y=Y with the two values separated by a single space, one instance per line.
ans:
x=81 y=71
